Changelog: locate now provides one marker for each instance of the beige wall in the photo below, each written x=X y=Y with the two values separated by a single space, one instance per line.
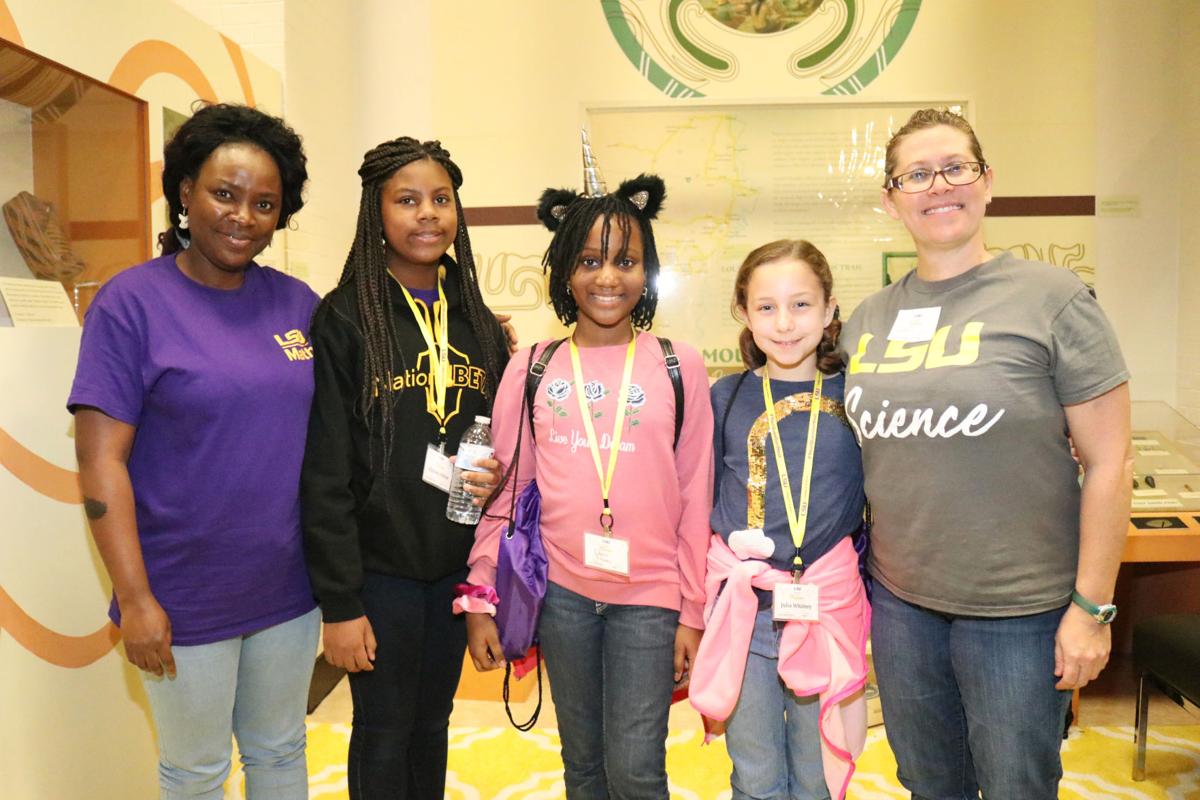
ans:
x=1187 y=171
x=75 y=718
x=1138 y=154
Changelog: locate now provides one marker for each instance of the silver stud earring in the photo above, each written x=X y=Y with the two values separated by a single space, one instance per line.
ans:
x=183 y=220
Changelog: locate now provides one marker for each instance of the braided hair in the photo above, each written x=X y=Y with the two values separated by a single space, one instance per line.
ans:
x=366 y=266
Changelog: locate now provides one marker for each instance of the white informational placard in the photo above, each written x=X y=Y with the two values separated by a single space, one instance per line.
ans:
x=36 y=303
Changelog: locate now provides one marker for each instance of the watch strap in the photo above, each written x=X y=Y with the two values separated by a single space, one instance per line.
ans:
x=1103 y=614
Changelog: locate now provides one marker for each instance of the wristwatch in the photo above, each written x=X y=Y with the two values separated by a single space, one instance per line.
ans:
x=1103 y=614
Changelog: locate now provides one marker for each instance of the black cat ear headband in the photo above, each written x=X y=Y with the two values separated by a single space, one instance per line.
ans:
x=645 y=192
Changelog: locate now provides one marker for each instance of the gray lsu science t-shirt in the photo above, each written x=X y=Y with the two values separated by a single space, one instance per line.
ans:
x=956 y=389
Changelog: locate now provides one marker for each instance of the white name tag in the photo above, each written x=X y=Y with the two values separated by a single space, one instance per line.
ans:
x=438 y=469
x=606 y=553
x=794 y=602
x=915 y=324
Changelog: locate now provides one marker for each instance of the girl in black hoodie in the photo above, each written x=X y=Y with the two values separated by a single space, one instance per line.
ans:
x=405 y=355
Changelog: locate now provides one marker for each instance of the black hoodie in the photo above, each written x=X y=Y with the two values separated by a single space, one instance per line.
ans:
x=355 y=520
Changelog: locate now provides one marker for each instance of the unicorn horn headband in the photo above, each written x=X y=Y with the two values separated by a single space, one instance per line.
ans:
x=645 y=192
x=593 y=183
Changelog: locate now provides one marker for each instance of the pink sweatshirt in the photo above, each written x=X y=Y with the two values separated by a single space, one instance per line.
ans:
x=825 y=658
x=660 y=497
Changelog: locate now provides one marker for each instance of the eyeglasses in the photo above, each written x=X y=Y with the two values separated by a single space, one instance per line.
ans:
x=962 y=173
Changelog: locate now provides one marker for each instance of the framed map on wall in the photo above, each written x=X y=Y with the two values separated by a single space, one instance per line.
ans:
x=741 y=175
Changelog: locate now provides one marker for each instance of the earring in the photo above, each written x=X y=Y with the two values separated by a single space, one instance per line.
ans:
x=183 y=220
x=645 y=291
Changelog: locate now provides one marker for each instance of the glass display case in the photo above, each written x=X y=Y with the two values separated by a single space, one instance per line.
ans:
x=74 y=183
x=1166 y=461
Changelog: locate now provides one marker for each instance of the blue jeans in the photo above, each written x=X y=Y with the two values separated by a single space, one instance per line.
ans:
x=402 y=707
x=254 y=687
x=772 y=736
x=969 y=703
x=611 y=671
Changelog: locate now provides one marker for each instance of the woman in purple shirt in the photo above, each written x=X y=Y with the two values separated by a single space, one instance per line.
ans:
x=191 y=401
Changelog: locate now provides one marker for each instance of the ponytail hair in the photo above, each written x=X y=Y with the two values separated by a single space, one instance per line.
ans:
x=828 y=360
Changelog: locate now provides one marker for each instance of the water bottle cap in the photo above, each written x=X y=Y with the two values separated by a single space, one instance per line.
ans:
x=483 y=420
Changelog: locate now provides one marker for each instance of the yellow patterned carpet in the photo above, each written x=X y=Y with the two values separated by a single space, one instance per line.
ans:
x=501 y=764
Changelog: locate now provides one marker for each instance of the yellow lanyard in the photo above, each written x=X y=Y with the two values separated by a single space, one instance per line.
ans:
x=606 y=478
x=797 y=519
x=439 y=352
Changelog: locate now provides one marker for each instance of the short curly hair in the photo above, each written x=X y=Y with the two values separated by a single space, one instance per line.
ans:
x=225 y=123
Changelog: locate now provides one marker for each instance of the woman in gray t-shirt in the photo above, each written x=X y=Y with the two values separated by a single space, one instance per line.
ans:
x=994 y=568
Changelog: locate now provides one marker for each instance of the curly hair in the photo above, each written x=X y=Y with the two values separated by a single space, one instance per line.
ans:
x=570 y=236
x=929 y=118
x=366 y=267
x=828 y=360
x=224 y=123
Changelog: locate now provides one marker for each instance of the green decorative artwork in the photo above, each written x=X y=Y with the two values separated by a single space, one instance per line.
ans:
x=696 y=48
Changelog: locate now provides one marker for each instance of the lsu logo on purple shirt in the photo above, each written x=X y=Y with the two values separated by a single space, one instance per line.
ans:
x=294 y=345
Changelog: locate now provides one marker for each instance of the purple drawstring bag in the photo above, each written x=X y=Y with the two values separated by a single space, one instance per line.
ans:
x=521 y=569
x=521 y=565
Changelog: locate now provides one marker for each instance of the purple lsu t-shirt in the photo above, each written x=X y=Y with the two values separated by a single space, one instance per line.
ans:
x=218 y=384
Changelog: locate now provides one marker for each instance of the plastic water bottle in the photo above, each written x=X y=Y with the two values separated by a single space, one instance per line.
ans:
x=475 y=446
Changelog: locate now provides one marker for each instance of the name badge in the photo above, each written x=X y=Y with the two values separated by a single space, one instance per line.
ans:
x=794 y=602
x=915 y=324
x=438 y=469
x=607 y=553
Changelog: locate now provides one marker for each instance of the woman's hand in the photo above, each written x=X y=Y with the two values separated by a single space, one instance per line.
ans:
x=483 y=642
x=350 y=644
x=146 y=630
x=687 y=643
x=1081 y=649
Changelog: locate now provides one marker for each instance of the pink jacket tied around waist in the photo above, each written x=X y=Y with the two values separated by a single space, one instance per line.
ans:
x=826 y=657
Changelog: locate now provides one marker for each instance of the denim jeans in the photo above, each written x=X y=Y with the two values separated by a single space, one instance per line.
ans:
x=611 y=671
x=969 y=703
x=402 y=708
x=254 y=687
x=772 y=735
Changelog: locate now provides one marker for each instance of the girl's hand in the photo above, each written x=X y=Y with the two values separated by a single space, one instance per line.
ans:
x=146 y=630
x=483 y=642
x=350 y=644
x=510 y=333
x=482 y=484
x=687 y=642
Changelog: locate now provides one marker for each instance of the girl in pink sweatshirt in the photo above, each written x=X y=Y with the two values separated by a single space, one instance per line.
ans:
x=626 y=494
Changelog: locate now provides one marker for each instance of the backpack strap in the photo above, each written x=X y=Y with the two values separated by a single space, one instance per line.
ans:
x=672 y=363
x=534 y=377
x=729 y=406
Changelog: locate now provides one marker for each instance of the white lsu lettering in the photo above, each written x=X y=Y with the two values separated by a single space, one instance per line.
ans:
x=902 y=423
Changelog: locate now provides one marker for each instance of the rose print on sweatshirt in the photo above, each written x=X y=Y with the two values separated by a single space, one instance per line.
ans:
x=635 y=398
x=594 y=392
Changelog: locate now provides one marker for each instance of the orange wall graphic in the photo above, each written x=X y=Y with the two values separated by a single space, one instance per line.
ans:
x=8 y=27
x=37 y=473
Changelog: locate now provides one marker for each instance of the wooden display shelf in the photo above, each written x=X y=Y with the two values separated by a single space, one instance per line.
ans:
x=1163 y=544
